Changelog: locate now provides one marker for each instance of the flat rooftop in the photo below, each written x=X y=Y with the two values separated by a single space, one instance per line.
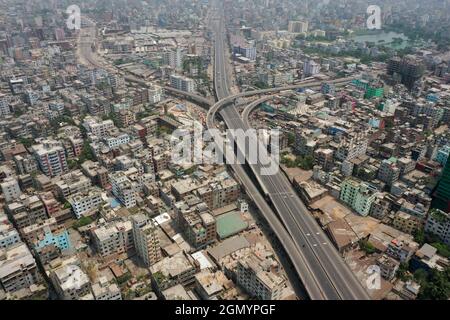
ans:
x=229 y=224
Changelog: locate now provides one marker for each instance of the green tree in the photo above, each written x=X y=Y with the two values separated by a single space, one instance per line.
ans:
x=437 y=286
x=291 y=138
x=86 y=154
x=420 y=275
x=419 y=236
x=27 y=142
x=442 y=249
x=72 y=164
x=367 y=247
x=83 y=221
x=402 y=272
x=306 y=163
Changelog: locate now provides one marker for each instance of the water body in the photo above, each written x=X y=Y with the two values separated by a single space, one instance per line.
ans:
x=385 y=38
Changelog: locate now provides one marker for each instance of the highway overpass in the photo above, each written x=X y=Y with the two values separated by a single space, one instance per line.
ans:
x=330 y=277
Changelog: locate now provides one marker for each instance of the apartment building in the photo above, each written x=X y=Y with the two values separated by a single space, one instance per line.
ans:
x=71 y=183
x=51 y=157
x=324 y=158
x=97 y=127
x=438 y=223
x=357 y=195
x=388 y=266
x=182 y=83
x=123 y=189
x=18 y=268
x=352 y=148
x=86 y=201
x=389 y=172
x=49 y=237
x=8 y=234
x=105 y=290
x=400 y=250
x=32 y=232
x=197 y=223
x=406 y=222
x=71 y=282
x=51 y=205
x=126 y=118
x=25 y=163
x=96 y=173
x=27 y=211
x=114 y=238
x=256 y=278
x=114 y=141
x=219 y=193
x=10 y=189
x=146 y=239
x=276 y=78
x=177 y=269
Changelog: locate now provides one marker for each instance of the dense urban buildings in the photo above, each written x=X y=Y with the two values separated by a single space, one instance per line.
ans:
x=100 y=200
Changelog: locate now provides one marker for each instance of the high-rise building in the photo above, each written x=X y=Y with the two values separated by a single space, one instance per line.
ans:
x=310 y=68
x=389 y=171
x=408 y=69
x=358 y=195
x=182 y=83
x=298 y=26
x=146 y=239
x=113 y=239
x=71 y=282
x=123 y=189
x=154 y=94
x=4 y=105
x=8 y=234
x=26 y=211
x=255 y=276
x=438 y=223
x=371 y=88
x=60 y=34
x=173 y=58
x=10 y=189
x=441 y=196
x=85 y=201
x=246 y=49
x=18 y=268
x=442 y=155
x=51 y=157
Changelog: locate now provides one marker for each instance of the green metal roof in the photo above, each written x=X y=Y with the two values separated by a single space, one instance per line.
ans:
x=230 y=224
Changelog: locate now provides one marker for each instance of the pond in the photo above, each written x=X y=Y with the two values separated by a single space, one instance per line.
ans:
x=390 y=39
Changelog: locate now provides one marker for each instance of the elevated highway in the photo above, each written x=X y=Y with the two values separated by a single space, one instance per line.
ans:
x=330 y=277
